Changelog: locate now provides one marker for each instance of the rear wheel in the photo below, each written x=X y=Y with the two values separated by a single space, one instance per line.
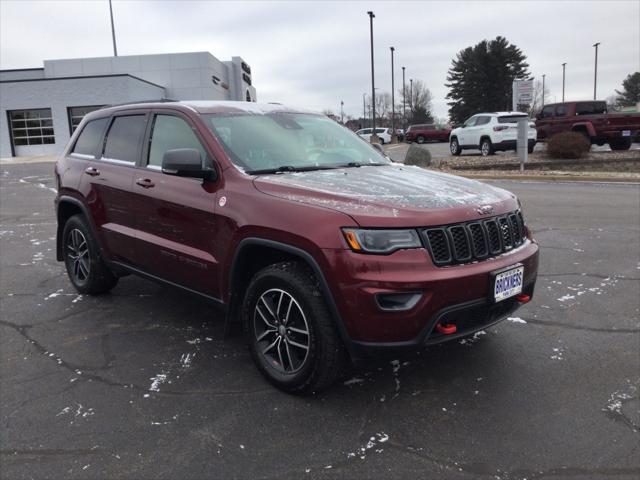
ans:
x=86 y=269
x=420 y=139
x=454 y=147
x=621 y=144
x=530 y=148
x=486 y=147
x=291 y=335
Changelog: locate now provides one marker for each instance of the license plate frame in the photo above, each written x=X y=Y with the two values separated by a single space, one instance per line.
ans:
x=497 y=275
x=626 y=133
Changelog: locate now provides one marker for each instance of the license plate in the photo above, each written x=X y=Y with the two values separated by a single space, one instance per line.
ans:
x=626 y=133
x=507 y=283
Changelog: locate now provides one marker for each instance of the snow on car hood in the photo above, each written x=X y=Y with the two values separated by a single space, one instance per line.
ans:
x=391 y=195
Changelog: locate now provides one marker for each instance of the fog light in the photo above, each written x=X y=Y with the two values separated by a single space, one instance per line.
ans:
x=397 y=301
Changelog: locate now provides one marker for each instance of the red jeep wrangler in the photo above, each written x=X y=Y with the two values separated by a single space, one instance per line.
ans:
x=313 y=240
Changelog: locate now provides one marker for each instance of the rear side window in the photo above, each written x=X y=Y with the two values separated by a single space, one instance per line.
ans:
x=483 y=120
x=87 y=143
x=510 y=118
x=170 y=133
x=124 y=138
x=591 y=108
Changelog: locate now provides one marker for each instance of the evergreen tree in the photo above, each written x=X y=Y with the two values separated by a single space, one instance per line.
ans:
x=630 y=94
x=480 y=78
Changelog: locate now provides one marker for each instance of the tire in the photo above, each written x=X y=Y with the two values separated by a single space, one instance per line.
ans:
x=529 y=149
x=454 y=147
x=86 y=269
x=486 y=147
x=381 y=141
x=420 y=139
x=622 y=144
x=287 y=295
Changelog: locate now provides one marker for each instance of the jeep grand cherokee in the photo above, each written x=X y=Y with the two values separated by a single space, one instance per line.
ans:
x=316 y=243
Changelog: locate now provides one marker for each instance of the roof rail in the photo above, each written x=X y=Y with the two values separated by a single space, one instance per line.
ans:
x=161 y=100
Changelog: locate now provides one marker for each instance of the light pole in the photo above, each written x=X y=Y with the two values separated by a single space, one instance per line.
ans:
x=595 y=72
x=543 y=75
x=113 y=31
x=411 y=97
x=393 y=103
x=341 y=112
x=404 y=102
x=374 y=137
x=563 y=72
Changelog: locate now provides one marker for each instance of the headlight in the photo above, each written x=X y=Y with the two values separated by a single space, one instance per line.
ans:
x=381 y=241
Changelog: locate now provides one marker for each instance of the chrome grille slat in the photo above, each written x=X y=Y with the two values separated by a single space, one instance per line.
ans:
x=473 y=241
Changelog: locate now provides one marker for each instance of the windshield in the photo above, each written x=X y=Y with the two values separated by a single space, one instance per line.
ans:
x=289 y=142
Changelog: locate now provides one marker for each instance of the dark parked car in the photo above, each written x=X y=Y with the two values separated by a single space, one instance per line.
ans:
x=427 y=133
x=591 y=119
x=308 y=237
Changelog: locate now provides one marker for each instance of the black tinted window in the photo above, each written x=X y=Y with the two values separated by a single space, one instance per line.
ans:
x=561 y=111
x=87 y=143
x=124 y=137
x=170 y=133
x=591 y=108
x=483 y=120
x=547 y=112
x=510 y=118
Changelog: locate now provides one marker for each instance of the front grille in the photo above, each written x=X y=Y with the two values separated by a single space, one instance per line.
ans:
x=473 y=241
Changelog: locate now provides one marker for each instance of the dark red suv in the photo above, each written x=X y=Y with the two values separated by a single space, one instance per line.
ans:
x=316 y=243
x=427 y=133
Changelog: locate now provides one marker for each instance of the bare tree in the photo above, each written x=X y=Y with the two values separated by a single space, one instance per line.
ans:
x=418 y=103
x=537 y=103
x=328 y=112
x=383 y=106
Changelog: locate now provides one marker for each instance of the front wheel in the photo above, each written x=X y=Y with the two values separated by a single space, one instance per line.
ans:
x=454 y=147
x=420 y=139
x=530 y=148
x=86 y=269
x=291 y=335
x=486 y=147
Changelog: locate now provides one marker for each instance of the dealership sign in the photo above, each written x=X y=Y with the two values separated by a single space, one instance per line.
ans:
x=522 y=93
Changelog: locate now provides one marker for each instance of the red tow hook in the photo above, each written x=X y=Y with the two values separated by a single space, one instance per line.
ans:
x=522 y=298
x=446 y=328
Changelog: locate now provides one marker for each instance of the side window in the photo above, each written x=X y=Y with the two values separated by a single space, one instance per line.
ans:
x=561 y=111
x=168 y=133
x=124 y=137
x=429 y=127
x=483 y=120
x=470 y=122
x=547 y=112
x=87 y=143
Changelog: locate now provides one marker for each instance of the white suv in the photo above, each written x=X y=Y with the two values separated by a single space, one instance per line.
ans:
x=384 y=134
x=490 y=132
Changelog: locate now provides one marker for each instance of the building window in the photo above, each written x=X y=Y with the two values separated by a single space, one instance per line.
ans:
x=76 y=114
x=249 y=96
x=31 y=127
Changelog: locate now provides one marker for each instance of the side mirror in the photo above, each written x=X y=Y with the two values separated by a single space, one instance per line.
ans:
x=185 y=162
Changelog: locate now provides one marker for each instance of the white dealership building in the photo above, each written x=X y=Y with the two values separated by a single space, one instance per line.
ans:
x=41 y=107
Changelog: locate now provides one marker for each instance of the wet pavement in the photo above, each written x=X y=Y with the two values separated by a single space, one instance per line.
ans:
x=140 y=383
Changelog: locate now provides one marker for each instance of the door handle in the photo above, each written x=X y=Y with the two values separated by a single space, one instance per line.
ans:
x=92 y=171
x=145 y=183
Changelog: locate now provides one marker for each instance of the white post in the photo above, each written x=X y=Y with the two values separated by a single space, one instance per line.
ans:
x=523 y=141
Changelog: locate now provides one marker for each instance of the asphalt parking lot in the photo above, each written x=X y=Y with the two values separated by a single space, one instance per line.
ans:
x=140 y=383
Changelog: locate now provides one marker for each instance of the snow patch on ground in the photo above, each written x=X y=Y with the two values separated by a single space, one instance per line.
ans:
x=375 y=442
x=516 y=320
x=471 y=340
x=156 y=381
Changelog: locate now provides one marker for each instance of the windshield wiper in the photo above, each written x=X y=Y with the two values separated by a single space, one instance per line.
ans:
x=360 y=164
x=288 y=168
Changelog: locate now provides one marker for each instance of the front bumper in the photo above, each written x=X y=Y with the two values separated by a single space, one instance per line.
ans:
x=458 y=294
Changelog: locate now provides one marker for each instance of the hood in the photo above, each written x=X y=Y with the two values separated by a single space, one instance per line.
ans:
x=390 y=196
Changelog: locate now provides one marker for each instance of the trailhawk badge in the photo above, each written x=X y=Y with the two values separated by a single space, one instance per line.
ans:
x=484 y=210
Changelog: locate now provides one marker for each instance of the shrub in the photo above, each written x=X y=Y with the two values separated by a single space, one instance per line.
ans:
x=418 y=156
x=568 y=145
